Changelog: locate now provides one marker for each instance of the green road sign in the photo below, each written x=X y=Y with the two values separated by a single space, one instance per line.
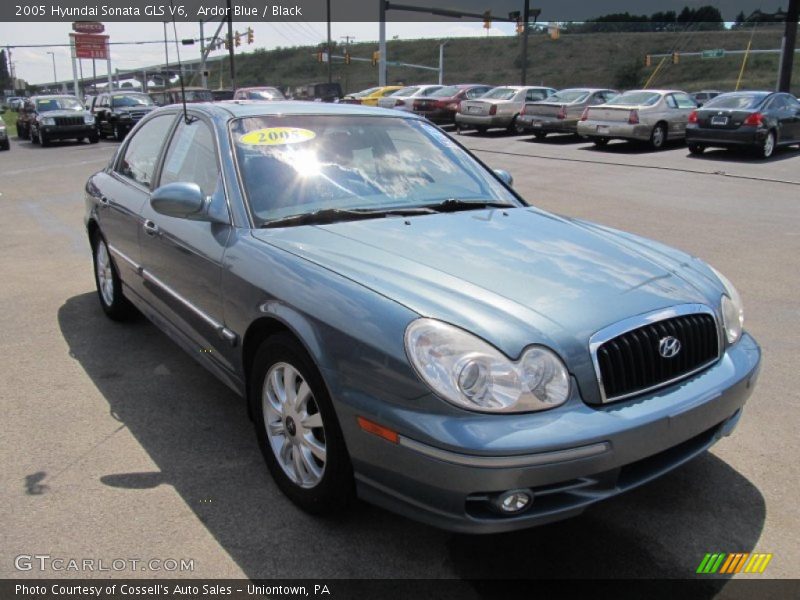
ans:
x=716 y=53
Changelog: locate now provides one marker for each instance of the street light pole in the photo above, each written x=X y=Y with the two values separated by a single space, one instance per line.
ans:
x=55 y=77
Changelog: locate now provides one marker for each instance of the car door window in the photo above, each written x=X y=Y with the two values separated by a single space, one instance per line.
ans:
x=671 y=103
x=192 y=157
x=684 y=101
x=138 y=162
x=536 y=95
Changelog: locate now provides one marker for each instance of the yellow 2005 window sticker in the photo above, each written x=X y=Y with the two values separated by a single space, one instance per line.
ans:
x=277 y=136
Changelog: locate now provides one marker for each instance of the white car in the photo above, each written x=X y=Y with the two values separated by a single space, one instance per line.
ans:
x=403 y=99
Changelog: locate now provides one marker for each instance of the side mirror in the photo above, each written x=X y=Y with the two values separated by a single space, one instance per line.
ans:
x=181 y=200
x=505 y=177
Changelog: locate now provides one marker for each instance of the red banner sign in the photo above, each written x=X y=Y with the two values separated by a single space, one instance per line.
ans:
x=88 y=27
x=90 y=46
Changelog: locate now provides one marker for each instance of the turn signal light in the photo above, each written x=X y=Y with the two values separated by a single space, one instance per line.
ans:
x=754 y=120
x=633 y=118
x=562 y=113
x=378 y=430
x=693 y=117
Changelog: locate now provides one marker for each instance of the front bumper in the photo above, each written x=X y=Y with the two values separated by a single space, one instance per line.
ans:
x=614 y=130
x=548 y=124
x=742 y=136
x=487 y=121
x=448 y=471
x=68 y=132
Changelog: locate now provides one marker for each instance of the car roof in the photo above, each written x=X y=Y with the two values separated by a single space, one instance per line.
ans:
x=256 y=108
x=51 y=96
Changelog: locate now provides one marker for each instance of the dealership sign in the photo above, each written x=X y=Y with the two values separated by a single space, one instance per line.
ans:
x=90 y=46
x=88 y=27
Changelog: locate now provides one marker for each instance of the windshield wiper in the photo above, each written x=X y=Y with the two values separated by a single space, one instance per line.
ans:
x=457 y=204
x=325 y=216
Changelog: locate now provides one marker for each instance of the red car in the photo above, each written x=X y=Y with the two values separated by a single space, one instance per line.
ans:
x=441 y=106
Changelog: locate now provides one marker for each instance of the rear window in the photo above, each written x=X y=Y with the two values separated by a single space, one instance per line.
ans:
x=501 y=93
x=640 y=98
x=568 y=96
x=406 y=91
x=446 y=92
x=735 y=101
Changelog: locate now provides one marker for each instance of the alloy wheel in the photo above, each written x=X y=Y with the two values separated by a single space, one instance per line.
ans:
x=294 y=426
x=105 y=277
x=769 y=145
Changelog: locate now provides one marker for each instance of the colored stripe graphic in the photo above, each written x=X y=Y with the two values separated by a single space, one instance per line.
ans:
x=729 y=564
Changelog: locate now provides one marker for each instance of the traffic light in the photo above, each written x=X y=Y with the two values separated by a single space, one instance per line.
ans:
x=249 y=35
x=347 y=59
x=237 y=39
x=648 y=60
x=376 y=56
x=675 y=58
x=487 y=19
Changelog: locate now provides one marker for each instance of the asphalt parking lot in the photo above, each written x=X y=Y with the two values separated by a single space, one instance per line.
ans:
x=118 y=445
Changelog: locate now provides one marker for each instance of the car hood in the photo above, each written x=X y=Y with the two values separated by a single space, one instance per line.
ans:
x=127 y=109
x=513 y=277
x=63 y=113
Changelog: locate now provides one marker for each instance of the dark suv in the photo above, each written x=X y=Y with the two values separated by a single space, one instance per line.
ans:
x=46 y=118
x=116 y=114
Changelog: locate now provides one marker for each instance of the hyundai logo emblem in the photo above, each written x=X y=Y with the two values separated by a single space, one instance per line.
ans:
x=669 y=346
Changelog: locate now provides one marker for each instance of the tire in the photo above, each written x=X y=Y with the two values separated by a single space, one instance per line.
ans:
x=314 y=470
x=658 y=137
x=600 y=141
x=481 y=130
x=767 y=148
x=540 y=135
x=33 y=138
x=696 y=148
x=109 y=287
x=22 y=133
x=6 y=145
x=43 y=139
x=117 y=133
x=94 y=138
x=515 y=127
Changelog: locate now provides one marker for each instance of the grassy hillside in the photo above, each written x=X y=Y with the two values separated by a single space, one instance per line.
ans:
x=10 y=119
x=615 y=60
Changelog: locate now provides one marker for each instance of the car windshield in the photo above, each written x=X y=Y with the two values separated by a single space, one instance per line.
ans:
x=363 y=93
x=501 y=93
x=131 y=100
x=640 y=98
x=265 y=94
x=735 y=101
x=47 y=104
x=298 y=164
x=197 y=96
x=425 y=92
x=405 y=92
x=446 y=92
x=568 y=96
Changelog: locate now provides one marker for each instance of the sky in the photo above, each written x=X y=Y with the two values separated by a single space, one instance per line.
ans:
x=35 y=65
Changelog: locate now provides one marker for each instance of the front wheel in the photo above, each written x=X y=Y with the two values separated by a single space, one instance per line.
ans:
x=109 y=286
x=43 y=139
x=696 y=148
x=297 y=429
x=118 y=133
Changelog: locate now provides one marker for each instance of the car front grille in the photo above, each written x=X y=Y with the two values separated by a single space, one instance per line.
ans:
x=68 y=121
x=137 y=114
x=632 y=362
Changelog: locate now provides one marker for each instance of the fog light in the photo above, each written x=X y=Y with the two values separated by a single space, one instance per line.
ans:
x=514 y=501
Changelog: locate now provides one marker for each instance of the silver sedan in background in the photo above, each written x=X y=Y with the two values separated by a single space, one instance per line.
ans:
x=404 y=99
x=560 y=112
x=499 y=108
x=652 y=116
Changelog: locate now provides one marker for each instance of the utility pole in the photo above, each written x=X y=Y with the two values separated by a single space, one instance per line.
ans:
x=166 y=46
x=441 y=62
x=787 y=46
x=330 y=61
x=203 y=78
x=230 y=46
x=526 y=15
x=382 y=43
x=55 y=77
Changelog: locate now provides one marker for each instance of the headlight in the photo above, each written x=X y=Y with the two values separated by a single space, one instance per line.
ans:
x=468 y=372
x=88 y=119
x=732 y=309
x=47 y=121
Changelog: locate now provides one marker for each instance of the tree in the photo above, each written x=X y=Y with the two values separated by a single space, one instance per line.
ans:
x=740 y=19
x=5 y=78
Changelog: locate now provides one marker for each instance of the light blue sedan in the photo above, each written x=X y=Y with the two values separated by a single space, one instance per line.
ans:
x=404 y=327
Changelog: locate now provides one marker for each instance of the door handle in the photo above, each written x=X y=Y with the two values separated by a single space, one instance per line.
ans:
x=150 y=228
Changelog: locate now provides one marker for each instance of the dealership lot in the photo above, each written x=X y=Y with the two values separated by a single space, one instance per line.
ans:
x=117 y=445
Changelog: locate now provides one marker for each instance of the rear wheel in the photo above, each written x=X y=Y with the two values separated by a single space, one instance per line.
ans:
x=600 y=141
x=658 y=137
x=515 y=127
x=767 y=147
x=696 y=148
x=540 y=135
x=481 y=130
x=297 y=429
x=109 y=287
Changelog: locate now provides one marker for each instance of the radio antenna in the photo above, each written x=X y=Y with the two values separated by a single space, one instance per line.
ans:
x=180 y=65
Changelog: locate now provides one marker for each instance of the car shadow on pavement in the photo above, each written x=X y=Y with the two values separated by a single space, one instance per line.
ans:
x=623 y=147
x=553 y=139
x=198 y=434
x=743 y=156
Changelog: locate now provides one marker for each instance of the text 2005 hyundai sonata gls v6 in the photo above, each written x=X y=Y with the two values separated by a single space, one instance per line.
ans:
x=406 y=328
